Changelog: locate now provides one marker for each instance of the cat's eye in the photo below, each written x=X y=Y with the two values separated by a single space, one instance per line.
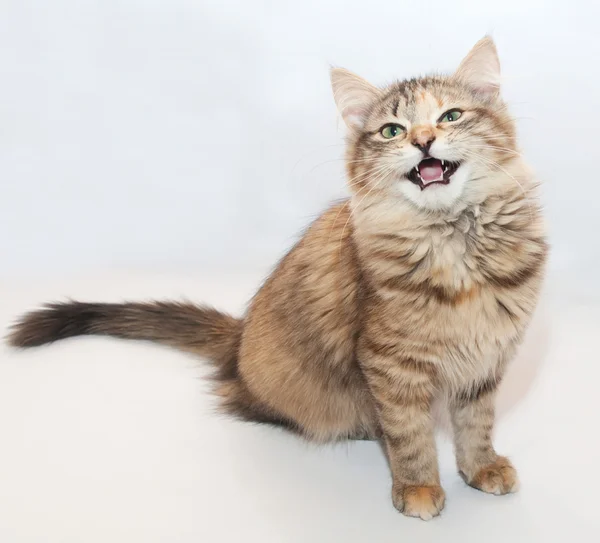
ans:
x=450 y=116
x=390 y=131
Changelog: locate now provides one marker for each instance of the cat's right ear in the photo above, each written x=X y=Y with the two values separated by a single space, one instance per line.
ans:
x=354 y=96
x=480 y=69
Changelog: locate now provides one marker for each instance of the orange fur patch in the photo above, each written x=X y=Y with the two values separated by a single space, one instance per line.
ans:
x=424 y=502
x=497 y=478
x=467 y=295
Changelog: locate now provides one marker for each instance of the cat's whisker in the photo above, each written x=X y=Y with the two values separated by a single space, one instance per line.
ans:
x=496 y=148
x=493 y=136
x=359 y=178
x=346 y=161
x=307 y=154
x=375 y=185
x=495 y=165
x=363 y=175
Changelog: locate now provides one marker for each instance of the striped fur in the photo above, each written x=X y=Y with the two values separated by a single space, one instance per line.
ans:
x=390 y=299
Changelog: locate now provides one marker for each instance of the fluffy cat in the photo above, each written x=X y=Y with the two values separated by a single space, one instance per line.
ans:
x=420 y=285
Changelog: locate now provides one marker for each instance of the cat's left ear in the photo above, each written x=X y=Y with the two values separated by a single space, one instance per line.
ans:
x=480 y=69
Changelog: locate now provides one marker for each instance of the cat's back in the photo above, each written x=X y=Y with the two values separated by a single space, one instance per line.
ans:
x=313 y=293
x=298 y=349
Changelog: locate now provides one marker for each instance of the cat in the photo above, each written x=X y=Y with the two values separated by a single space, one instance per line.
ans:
x=419 y=286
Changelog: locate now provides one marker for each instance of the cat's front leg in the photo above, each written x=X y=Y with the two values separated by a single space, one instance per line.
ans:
x=472 y=412
x=403 y=389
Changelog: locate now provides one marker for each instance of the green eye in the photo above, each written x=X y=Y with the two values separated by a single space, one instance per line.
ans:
x=390 y=131
x=450 y=116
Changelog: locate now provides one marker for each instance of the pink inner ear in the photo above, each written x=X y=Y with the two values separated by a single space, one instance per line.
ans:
x=488 y=89
x=354 y=115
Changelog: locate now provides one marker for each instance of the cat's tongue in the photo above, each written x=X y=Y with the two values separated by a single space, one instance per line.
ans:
x=431 y=170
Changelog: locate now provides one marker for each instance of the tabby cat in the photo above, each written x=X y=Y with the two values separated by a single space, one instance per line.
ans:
x=419 y=286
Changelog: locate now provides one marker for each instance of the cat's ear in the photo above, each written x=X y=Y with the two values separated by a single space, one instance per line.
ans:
x=480 y=69
x=353 y=96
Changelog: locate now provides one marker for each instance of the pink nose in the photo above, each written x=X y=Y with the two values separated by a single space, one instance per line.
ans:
x=422 y=137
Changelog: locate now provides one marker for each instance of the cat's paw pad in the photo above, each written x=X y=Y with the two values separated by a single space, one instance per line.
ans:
x=423 y=502
x=497 y=478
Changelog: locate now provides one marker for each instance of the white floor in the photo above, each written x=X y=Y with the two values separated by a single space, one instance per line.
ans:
x=108 y=441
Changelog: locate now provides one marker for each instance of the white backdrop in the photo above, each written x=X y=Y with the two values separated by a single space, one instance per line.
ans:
x=180 y=134
x=160 y=148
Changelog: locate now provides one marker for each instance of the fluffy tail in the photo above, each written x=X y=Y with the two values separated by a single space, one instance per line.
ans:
x=200 y=330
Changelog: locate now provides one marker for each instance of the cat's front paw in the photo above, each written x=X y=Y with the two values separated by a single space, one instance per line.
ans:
x=497 y=478
x=424 y=502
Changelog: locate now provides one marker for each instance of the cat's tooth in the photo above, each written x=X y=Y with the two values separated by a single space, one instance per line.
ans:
x=443 y=163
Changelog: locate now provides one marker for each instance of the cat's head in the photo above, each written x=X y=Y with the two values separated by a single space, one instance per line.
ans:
x=432 y=141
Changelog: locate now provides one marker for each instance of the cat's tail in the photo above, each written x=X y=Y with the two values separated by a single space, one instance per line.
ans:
x=196 y=329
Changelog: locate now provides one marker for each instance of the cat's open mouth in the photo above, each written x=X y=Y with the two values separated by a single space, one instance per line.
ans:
x=432 y=171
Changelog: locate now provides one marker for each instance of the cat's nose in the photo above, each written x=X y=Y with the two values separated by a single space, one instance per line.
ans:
x=423 y=137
